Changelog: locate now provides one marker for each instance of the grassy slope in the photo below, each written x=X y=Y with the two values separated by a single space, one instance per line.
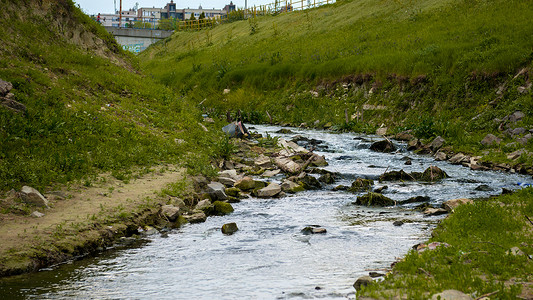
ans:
x=88 y=109
x=434 y=64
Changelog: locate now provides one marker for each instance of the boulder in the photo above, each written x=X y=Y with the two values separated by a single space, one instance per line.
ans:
x=451 y=295
x=404 y=136
x=230 y=174
x=291 y=187
x=318 y=161
x=450 y=205
x=196 y=216
x=170 y=212
x=381 y=131
x=5 y=88
x=490 y=139
x=516 y=116
x=416 y=199
x=436 y=144
x=341 y=188
x=263 y=161
x=285 y=131
x=380 y=189
x=229 y=228
x=204 y=205
x=222 y=208
x=216 y=191
x=32 y=196
x=396 y=175
x=383 y=146
x=440 y=156
x=233 y=192
x=434 y=211
x=14 y=105
x=271 y=173
x=516 y=155
x=270 y=191
x=361 y=185
x=433 y=173
x=290 y=148
x=413 y=144
x=226 y=181
x=287 y=165
x=517 y=131
x=327 y=178
x=397 y=223
x=525 y=139
x=37 y=214
x=459 y=158
x=483 y=188
x=374 y=199
x=310 y=183
x=313 y=230
x=362 y=281
x=245 y=184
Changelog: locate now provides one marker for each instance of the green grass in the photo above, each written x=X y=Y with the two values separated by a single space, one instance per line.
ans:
x=478 y=260
x=86 y=113
x=438 y=62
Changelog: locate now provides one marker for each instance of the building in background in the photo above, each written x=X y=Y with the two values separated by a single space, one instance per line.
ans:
x=150 y=15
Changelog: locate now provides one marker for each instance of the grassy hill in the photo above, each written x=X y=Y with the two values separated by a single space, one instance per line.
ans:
x=89 y=109
x=444 y=68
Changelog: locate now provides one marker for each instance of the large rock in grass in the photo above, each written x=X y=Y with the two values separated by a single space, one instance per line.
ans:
x=361 y=185
x=245 y=184
x=216 y=191
x=433 y=173
x=374 y=199
x=383 y=146
x=450 y=205
x=490 y=139
x=362 y=281
x=436 y=144
x=222 y=208
x=451 y=295
x=170 y=212
x=269 y=191
x=5 y=88
x=32 y=196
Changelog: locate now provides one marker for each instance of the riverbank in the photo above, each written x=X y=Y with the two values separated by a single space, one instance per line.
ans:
x=482 y=250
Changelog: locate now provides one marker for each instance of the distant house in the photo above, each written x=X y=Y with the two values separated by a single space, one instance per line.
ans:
x=170 y=12
x=150 y=15
x=209 y=13
x=229 y=7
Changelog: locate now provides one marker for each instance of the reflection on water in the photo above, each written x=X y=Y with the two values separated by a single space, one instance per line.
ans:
x=269 y=258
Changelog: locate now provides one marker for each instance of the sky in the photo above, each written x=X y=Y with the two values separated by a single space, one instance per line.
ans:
x=107 y=6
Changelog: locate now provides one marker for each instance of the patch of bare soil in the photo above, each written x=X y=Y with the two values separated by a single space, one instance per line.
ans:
x=77 y=208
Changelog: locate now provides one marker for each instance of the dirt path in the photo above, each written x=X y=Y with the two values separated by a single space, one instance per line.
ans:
x=82 y=206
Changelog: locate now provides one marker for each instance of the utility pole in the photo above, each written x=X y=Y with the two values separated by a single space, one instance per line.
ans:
x=120 y=15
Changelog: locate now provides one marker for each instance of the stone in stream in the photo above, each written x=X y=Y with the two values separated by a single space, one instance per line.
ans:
x=313 y=230
x=381 y=189
x=205 y=206
x=361 y=185
x=341 y=188
x=416 y=199
x=396 y=175
x=440 y=156
x=327 y=178
x=32 y=196
x=245 y=184
x=233 y=192
x=195 y=216
x=436 y=144
x=384 y=146
x=433 y=173
x=216 y=191
x=287 y=165
x=362 y=281
x=397 y=223
x=413 y=144
x=222 y=208
x=291 y=187
x=229 y=228
x=375 y=274
x=310 y=183
x=434 y=212
x=374 y=199
x=269 y=191
x=483 y=188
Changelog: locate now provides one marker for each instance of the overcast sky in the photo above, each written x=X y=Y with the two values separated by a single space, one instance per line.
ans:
x=107 y=6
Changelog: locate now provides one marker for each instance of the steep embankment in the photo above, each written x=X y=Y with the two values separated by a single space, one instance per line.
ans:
x=451 y=68
x=80 y=123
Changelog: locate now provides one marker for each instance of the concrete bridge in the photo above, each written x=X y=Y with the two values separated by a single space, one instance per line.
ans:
x=136 y=40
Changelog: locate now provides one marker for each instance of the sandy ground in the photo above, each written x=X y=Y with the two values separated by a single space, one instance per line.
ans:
x=79 y=204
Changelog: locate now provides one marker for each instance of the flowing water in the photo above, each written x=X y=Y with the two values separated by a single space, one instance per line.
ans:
x=269 y=257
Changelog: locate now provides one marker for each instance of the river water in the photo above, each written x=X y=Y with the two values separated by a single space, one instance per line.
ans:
x=269 y=258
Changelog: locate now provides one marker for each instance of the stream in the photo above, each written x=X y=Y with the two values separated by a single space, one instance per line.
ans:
x=269 y=257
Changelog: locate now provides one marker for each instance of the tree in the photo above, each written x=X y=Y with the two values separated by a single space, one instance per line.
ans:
x=192 y=18
x=202 y=16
